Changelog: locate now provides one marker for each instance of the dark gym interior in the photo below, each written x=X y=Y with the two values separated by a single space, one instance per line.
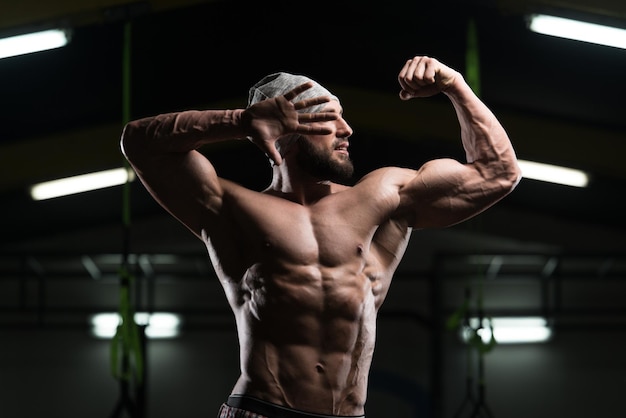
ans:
x=547 y=250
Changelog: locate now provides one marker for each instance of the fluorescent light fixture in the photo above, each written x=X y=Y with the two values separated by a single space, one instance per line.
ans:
x=159 y=325
x=33 y=42
x=578 y=30
x=553 y=173
x=512 y=330
x=82 y=183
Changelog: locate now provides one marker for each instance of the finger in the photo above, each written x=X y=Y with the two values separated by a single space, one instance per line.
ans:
x=292 y=94
x=415 y=69
x=407 y=75
x=404 y=71
x=419 y=74
x=303 y=104
x=317 y=117
x=430 y=70
x=313 y=129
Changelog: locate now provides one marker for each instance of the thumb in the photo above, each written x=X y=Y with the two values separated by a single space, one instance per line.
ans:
x=274 y=155
x=405 y=95
x=269 y=149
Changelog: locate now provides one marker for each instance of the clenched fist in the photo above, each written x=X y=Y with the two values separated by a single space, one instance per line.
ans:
x=425 y=77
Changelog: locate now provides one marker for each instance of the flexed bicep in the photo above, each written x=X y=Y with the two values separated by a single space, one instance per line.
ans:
x=444 y=192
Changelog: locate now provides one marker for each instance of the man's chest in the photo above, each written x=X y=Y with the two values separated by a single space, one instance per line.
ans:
x=311 y=237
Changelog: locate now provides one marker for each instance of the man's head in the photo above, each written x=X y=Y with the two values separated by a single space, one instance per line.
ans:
x=278 y=84
x=317 y=161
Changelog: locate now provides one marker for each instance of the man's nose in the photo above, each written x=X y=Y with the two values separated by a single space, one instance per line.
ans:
x=343 y=129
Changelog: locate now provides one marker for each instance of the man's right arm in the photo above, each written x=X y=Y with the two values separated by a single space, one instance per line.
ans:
x=163 y=149
x=163 y=152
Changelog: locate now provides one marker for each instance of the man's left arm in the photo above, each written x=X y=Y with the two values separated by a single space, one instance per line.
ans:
x=444 y=191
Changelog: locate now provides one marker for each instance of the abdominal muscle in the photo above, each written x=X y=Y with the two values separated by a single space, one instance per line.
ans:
x=306 y=337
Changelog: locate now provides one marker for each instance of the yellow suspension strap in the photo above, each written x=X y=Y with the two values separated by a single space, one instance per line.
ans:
x=128 y=344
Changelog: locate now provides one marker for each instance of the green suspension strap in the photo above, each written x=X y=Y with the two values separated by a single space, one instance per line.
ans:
x=127 y=345
x=480 y=409
x=473 y=406
x=472 y=58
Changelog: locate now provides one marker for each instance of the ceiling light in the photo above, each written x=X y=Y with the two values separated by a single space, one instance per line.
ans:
x=82 y=183
x=553 y=173
x=33 y=42
x=578 y=30
x=158 y=324
x=510 y=330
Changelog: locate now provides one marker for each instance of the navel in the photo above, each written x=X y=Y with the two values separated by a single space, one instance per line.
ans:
x=359 y=249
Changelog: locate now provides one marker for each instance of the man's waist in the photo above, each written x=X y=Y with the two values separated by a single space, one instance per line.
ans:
x=271 y=410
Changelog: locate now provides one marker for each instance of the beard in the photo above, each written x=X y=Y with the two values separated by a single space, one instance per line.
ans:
x=320 y=163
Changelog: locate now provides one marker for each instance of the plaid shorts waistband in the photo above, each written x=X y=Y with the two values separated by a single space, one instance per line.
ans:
x=227 y=411
x=239 y=406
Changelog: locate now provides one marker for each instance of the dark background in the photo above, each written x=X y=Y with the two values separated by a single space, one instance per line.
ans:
x=547 y=249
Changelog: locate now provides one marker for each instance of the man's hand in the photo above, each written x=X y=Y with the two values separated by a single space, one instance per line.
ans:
x=425 y=77
x=270 y=119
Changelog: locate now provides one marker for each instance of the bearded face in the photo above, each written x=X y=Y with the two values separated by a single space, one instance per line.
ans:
x=324 y=163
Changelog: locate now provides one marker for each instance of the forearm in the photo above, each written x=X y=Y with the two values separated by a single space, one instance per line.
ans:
x=484 y=139
x=181 y=132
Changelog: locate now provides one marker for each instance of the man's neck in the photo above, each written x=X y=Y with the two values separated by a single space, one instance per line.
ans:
x=292 y=184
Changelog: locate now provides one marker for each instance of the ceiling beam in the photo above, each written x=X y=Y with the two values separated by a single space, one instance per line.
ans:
x=23 y=14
